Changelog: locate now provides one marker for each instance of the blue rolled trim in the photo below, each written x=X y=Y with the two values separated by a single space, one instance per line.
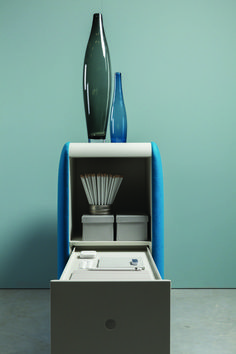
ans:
x=63 y=211
x=157 y=210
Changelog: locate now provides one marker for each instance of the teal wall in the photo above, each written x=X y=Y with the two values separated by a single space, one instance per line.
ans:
x=178 y=60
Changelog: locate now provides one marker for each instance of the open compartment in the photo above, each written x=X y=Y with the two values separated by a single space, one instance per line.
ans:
x=133 y=197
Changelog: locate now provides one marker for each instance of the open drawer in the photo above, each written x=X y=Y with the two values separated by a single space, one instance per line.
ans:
x=115 y=302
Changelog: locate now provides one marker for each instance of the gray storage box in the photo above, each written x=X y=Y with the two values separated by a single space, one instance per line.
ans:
x=131 y=227
x=98 y=227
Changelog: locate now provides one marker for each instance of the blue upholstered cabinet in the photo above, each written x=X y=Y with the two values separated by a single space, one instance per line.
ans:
x=111 y=312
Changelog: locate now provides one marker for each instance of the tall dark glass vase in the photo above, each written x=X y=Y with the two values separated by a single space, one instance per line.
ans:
x=97 y=81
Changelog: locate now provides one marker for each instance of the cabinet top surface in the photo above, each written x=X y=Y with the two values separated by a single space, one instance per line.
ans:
x=110 y=150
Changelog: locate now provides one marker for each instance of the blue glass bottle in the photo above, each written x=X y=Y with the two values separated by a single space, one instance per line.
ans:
x=118 y=118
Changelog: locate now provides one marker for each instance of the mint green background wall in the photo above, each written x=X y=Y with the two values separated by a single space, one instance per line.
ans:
x=179 y=79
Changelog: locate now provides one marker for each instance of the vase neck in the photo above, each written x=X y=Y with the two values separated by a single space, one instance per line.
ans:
x=118 y=85
x=97 y=25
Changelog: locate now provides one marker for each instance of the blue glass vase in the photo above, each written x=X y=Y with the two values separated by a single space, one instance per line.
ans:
x=118 y=118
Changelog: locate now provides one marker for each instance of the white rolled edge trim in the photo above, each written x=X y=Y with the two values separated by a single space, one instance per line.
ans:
x=110 y=150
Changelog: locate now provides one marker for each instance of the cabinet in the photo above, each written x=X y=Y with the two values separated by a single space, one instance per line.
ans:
x=111 y=305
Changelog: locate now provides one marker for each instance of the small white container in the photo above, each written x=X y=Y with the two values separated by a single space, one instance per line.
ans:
x=131 y=227
x=98 y=227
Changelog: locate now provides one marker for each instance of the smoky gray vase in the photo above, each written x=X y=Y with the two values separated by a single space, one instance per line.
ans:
x=97 y=81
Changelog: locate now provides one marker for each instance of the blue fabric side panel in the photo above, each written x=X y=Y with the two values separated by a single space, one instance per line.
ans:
x=63 y=210
x=157 y=210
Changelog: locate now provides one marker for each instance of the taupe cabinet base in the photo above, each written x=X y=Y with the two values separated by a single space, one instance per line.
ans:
x=108 y=306
x=110 y=317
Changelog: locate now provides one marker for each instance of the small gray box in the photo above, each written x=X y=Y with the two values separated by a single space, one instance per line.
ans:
x=131 y=227
x=98 y=227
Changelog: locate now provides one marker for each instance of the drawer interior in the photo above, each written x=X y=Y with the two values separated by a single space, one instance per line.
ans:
x=109 y=264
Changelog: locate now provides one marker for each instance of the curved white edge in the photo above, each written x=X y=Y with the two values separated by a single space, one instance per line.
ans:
x=74 y=243
x=110 y=150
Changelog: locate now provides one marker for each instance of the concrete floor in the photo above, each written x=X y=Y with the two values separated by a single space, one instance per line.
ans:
x=203 y=321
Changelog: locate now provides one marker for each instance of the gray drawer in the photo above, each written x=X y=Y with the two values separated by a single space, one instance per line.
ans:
x=105 y=315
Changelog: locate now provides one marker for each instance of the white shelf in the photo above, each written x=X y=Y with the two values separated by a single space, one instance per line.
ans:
x=76 y=243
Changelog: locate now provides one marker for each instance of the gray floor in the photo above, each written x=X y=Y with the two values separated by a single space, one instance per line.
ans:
x=202 y=321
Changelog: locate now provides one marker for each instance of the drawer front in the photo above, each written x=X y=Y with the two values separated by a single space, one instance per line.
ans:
x=110 y=317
